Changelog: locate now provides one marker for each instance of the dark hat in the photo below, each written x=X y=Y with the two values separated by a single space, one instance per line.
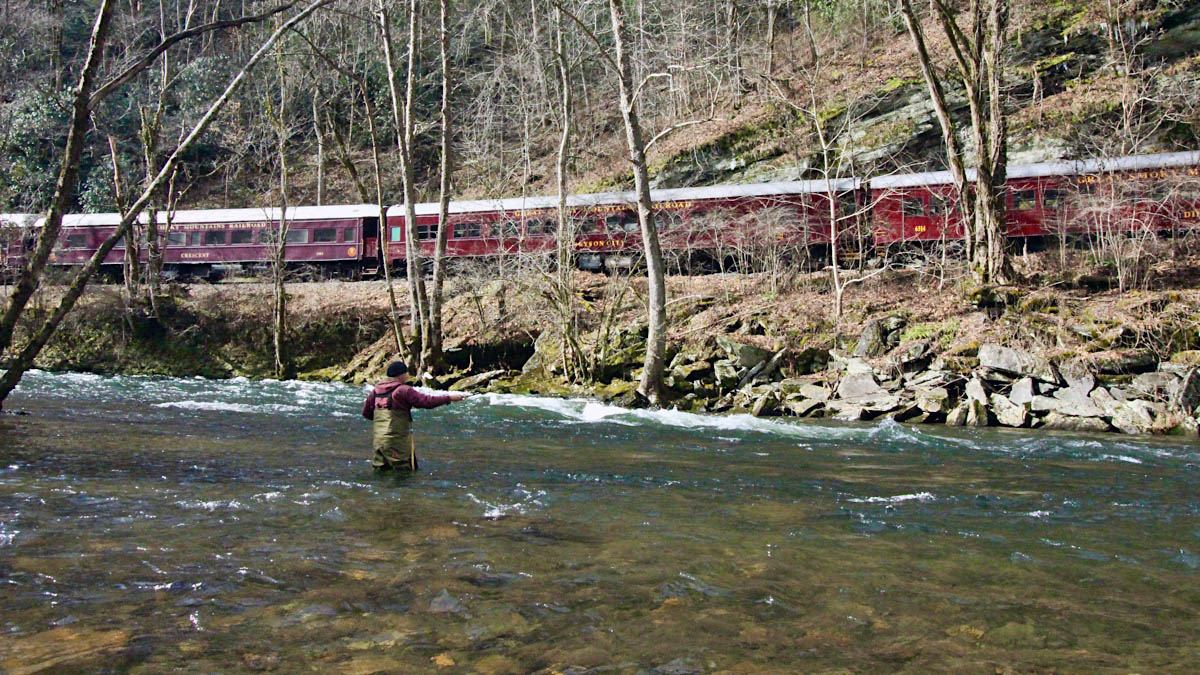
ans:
x=396 y=369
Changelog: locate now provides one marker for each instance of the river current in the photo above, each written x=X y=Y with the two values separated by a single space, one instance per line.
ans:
x=155 y=524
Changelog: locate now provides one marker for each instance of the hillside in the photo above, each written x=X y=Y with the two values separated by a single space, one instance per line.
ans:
x=740 y=87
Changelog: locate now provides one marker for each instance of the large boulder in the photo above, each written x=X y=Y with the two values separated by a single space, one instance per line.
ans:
x=1008 y=413
x=858 y=386
x=546 y=349
x=1135 y=417
x=976 y=391
x=1076 y=400
x=475 y=381
x=1023 y=391
x=815 y=392
x=810 y=360
x=1188 y=397
x=913 y=355
x=802 y=407
x=1060 y=422
x=1021 y=364
x=1119 y=361
x=1105 y=399
x=977 y=413
x=726 y=373
x=1158 y=386
x=744 y=355
x=958 y=416
x=935 y=400
x=878 y=336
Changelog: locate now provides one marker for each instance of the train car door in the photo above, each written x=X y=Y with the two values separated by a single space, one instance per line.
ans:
x=370 y=238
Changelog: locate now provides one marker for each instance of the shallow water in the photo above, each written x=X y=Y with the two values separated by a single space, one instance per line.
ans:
x=151 y=524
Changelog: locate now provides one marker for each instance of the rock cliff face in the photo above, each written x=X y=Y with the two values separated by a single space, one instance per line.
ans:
x=1065 y=88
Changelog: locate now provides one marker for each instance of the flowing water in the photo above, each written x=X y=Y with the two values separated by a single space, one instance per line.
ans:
x=151 y=524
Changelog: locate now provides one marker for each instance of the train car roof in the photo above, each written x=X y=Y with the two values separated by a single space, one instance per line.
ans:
x=231 y=215
x=1161 y=160
x=629 y=198
x=18 y=219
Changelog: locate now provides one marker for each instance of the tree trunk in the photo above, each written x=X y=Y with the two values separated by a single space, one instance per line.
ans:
x=68 y=179
x=433 y=346
x=402 y=115
x=24 y=361
x=316 y=120
x=980 y=59
x=651 y=384
x=284 y=368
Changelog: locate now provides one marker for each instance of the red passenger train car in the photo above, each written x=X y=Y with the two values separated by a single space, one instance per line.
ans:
x=1151 y=193
x=605 y=225
x=1147 y=192
x=211 y=243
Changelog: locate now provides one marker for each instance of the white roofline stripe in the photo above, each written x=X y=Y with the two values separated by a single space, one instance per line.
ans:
x=1062 y=168
x=628 y=199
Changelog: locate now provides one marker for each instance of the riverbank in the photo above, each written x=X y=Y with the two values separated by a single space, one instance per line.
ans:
x=1060 y=351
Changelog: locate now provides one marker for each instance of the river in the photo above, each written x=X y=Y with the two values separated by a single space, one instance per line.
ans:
x=154 y=524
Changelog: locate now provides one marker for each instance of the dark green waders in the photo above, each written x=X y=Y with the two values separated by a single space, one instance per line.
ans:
x=393 y=441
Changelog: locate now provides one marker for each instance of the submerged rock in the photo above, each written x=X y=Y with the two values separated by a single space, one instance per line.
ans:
x=444 y=603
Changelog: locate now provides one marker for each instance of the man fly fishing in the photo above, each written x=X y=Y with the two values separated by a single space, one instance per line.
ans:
x=390 y=405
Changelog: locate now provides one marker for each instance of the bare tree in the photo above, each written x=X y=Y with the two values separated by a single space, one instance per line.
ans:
x=85 y=97
x=651 y=384
x=24 y=360
x=403 y=115
x=284 y=365
x=979 y=56
x=433 y=345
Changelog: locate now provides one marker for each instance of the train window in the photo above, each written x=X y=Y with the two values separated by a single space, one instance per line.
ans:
x=194 y=239
x=347 y=234
x=1024 y=200
x=426 y=232
x=540 y=227
x=241 y=237
x=941 y=205
x=214 y=238
x=467 y=230
x=506 y=230
x=120 y=242
x=75 y=241
x=1053 y=198
x=397 y=233
x=176 y=238
x=913 y=206
x=324 y=235
x=297 y=236
x=630 y=224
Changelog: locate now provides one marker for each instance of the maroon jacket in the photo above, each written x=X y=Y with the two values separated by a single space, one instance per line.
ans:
x=395 y=396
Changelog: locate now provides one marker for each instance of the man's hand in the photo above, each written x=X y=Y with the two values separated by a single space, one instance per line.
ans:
x=457 y=396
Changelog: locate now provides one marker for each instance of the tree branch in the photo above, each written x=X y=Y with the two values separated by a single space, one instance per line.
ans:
x=144 y=62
